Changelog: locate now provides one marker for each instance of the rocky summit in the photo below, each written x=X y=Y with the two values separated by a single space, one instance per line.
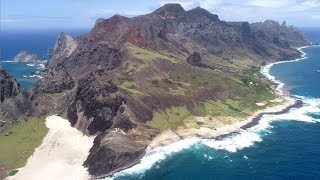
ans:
x=129 y=79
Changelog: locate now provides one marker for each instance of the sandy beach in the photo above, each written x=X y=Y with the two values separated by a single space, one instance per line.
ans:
x=60 y=156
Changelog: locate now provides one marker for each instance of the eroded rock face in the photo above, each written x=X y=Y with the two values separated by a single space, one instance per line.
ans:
x=55 y=80
x=99 y=101
x=9 y=87
x=112 y=152
x=64 y=46
x=14 y=101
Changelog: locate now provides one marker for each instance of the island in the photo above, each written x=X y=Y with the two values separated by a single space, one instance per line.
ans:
x=134 y=84
x=25 y=56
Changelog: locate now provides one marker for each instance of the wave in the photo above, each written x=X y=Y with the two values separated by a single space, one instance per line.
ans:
x=41 y=66
x=31 y=65
x=33 y=76
x=241 y=139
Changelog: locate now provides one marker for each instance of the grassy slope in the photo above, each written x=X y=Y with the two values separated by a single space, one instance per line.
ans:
x=182 y=80
x=16 y=148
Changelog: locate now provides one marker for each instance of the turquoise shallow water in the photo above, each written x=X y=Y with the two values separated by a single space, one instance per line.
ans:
x=23 y=72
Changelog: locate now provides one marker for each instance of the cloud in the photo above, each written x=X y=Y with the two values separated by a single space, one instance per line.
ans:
x=298 y=12
x=270 y=3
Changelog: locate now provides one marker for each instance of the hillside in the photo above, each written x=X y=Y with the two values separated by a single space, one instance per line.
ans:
x=129 y=79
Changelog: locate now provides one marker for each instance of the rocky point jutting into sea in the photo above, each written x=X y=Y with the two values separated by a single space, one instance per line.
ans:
x=130 y=80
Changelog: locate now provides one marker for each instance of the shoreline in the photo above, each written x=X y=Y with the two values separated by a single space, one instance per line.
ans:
x=169 y=137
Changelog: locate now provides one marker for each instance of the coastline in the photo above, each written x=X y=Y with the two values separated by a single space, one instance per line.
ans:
x=169 y=137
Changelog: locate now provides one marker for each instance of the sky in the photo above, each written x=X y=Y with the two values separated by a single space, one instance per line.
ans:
x=75 y=14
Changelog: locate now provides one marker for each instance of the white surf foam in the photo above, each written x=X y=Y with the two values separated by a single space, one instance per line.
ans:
x=238 y=140
x=31 y=65
x=41 y=66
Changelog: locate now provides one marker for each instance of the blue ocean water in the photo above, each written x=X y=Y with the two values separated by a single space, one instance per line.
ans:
x=283 y=146
x=34 y=41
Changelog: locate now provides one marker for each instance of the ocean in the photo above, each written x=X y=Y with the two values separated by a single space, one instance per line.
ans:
x=34 y=41
x=285 y=146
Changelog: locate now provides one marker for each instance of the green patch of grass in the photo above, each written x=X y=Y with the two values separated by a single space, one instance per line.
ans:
x=230 y=108
x=16 y=148
x=170 y=118
x=147 y=55
x=13 y=172
x=130 y=86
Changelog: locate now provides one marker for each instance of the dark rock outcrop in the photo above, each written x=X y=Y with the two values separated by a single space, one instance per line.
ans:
x=55 y=80
x=99 y=101
x=14 y=101
x=113 y=152
x=9 y=87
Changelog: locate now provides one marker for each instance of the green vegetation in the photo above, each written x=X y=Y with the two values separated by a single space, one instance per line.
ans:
x=13 y=172
x=261 y=91
x=16 y=148
x=171 y=118
x=148 y=55
x=231 y=108
x=130 y=86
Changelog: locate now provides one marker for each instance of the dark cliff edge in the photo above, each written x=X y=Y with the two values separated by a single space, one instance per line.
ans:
x=114 y=80
x=14 y=101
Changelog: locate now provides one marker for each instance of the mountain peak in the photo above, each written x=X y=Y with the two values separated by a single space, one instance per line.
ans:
x=169 y=10
x=198 y=11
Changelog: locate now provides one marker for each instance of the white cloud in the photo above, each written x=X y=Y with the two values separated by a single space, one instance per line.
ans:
x=297 y=12
x=270 y=3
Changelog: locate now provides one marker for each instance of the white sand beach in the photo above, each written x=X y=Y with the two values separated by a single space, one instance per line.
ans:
x=60 y=156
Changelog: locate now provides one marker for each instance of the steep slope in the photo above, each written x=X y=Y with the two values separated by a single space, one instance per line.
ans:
x=14 y=101
x=129 y=79
x=9 y=87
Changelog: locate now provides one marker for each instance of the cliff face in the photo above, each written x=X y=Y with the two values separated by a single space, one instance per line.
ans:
x=117 y=79
x=9 y=87
x=24 y=56
x=14 y=101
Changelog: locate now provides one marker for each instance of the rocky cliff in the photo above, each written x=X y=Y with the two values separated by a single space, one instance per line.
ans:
x=14 y=101
x=9 y=87
x=129 y=79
